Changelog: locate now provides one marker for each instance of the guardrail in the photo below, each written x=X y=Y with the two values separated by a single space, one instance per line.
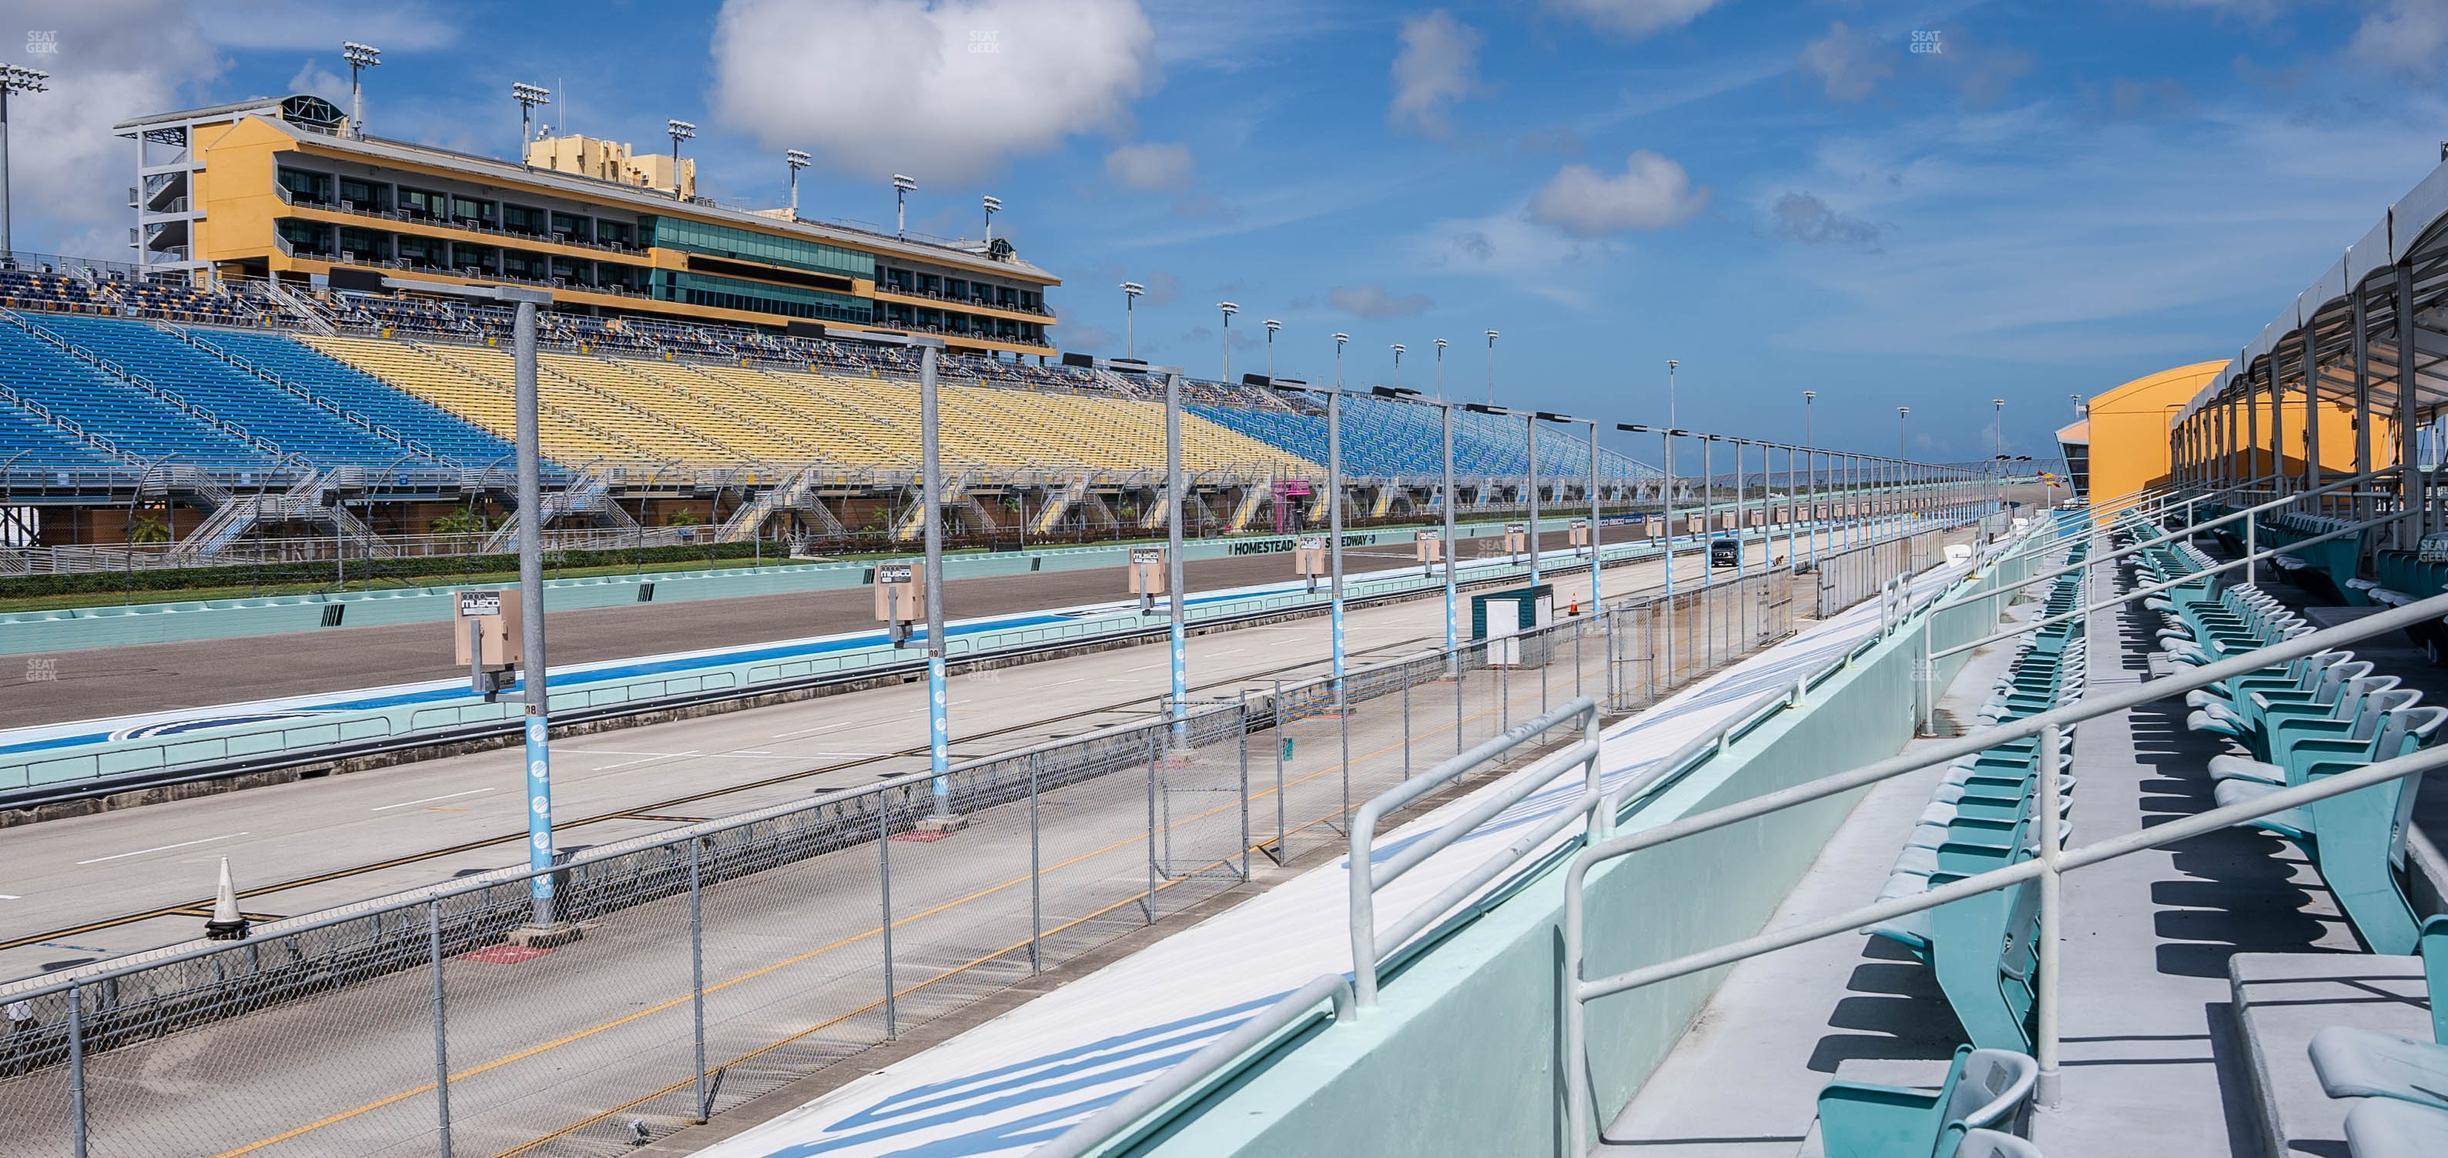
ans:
x=2044 y=726
x=1143 y=1110
x=1367 y=876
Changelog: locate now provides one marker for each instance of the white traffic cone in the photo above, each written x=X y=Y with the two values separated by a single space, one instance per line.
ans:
x=227 y=924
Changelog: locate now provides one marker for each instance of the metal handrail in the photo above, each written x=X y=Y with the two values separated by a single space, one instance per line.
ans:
x=2165 y=585
x=1367 y=876
x=2193 y=529
x=1209 y=1064
x=1579 y=991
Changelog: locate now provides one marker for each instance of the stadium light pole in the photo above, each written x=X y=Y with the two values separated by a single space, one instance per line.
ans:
x=1671 y=363
x=1708 y=508
x=939 y=709
x=528 y=97
x=1810 y=463
x=1666 y=536
x=1440 y=368
x=1334 y=512
x=1997 y=430
x=1530 y=448
x=993 y=205
x=1491 y=360
x=1445 y=423
x=1228 y=309
x=534 y=675
x=1178 y=633
x=16 y=79
x=679 y=131
x=795 y=160
x=1398 y=353
x=1130 y=303
x=1271 y=326
x=1901 y=413
x=360 y=57
x=903 y=186
x=1597 y=540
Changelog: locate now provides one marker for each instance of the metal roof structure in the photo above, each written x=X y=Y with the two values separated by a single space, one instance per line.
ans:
x=2401 y=265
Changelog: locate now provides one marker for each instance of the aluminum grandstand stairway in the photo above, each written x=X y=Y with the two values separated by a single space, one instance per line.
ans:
x=796 y=495
x=588 y=495
x=1077 y=495
x=313 y=499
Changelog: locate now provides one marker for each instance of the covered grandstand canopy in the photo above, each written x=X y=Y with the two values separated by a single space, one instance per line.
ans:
x=2383 y=292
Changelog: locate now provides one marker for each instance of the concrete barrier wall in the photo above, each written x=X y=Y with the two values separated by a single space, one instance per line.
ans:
x=1461 y=1056
x=117 y=625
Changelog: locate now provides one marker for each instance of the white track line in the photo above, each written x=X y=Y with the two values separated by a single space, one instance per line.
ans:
x=427 y=800
x=163 y=848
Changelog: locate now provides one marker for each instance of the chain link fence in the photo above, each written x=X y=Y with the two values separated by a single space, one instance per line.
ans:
x=724 y=959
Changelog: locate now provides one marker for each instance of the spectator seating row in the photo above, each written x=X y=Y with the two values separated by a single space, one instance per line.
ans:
x=453 y=440
x=1984 y=950
x=286 y=420
x=2291 y=724
x=2295 y=723
x=651 y=412
x=1384 y=438
x=141 y=425
x=2327 y=568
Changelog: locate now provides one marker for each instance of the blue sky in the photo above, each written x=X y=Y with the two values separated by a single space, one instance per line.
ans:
x=2049 y=198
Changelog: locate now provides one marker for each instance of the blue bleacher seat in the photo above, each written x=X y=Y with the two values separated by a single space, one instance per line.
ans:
x=454 y=439
x=1386 y=438
x=295 y=425
x=29 y=443
x=139 y=423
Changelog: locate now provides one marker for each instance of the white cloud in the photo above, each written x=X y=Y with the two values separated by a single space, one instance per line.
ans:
x=1374 y=301
x=1438 y=65
x=312 y=77
x=1150 y=165
x=942 y=91
x=2404 y=35
x=1507 y=246
x=113 y=62
x=1651 y=193
x=1633 y=18
x=1850 y=63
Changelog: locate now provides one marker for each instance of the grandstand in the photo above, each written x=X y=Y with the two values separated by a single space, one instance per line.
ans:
x=408 y=402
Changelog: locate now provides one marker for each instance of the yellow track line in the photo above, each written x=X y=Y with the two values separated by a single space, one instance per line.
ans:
x=761 y=971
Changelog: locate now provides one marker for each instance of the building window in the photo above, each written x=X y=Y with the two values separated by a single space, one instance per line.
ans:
x=364 y=195
x=614 y=233
x=307 y=238
x=306 y=188
x=470 y=211
x=481 y=258
x=419 y=251
x=361 y=244
x=420 y=203
x=571 y=227
x=745 y=245
x=522 y=219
